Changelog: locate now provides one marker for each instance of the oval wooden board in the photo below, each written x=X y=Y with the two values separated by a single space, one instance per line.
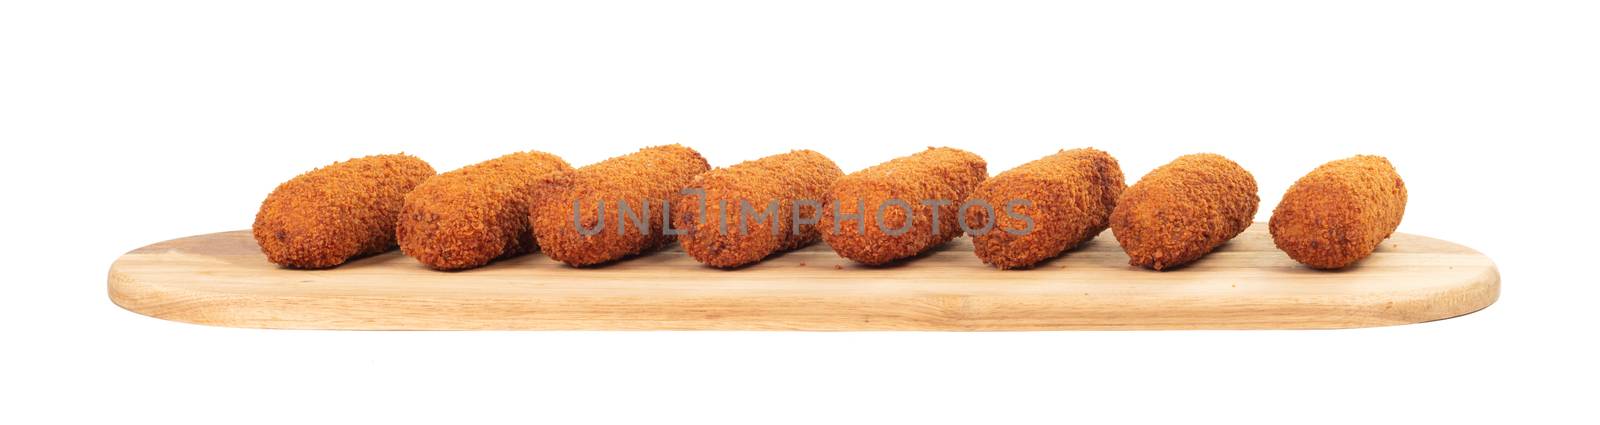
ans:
x=223 y=279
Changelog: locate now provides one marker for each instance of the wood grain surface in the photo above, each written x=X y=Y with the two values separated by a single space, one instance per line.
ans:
x=222 y=279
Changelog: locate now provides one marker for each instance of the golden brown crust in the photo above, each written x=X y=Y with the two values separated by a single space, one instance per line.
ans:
x=471 y=216
x=1340 y=212
x=652 y=175
x=722 y=239
x=1183 y=210
x=1072 y=193
x=329 y=215
x=934 y=174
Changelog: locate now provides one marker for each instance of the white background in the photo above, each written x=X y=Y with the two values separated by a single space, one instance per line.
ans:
x=130 y=122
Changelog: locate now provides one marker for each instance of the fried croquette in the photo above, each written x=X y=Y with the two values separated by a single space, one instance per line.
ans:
x=867 y=218
x=471 y=216
x=329 y=215
x=1069 y=197
x=740 y=226
x=1183 y=210
x=614 y=208
x=1340 y=212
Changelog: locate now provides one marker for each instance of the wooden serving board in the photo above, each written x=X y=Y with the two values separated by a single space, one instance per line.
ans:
x=223 y=279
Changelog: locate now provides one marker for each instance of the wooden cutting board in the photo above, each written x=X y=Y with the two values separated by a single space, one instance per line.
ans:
x=223 y=279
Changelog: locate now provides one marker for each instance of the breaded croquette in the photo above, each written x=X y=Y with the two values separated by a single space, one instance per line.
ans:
x=1183 y=210
x=867 y=218
x=740 y=226
x=571 y=222
x=329 y=215
x=471 y=216
x=1068 y=197
x=1340 y=212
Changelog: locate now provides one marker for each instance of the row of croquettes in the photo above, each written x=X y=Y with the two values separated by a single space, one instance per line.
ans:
x=738 y=215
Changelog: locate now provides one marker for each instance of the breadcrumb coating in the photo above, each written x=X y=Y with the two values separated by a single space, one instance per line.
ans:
x=651 y=176
x=344 y=210
x=1183 y=210
x=1340 y=212
x=1072 y=193
x=471 y=216
x=936 y=174
x=726 y=238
